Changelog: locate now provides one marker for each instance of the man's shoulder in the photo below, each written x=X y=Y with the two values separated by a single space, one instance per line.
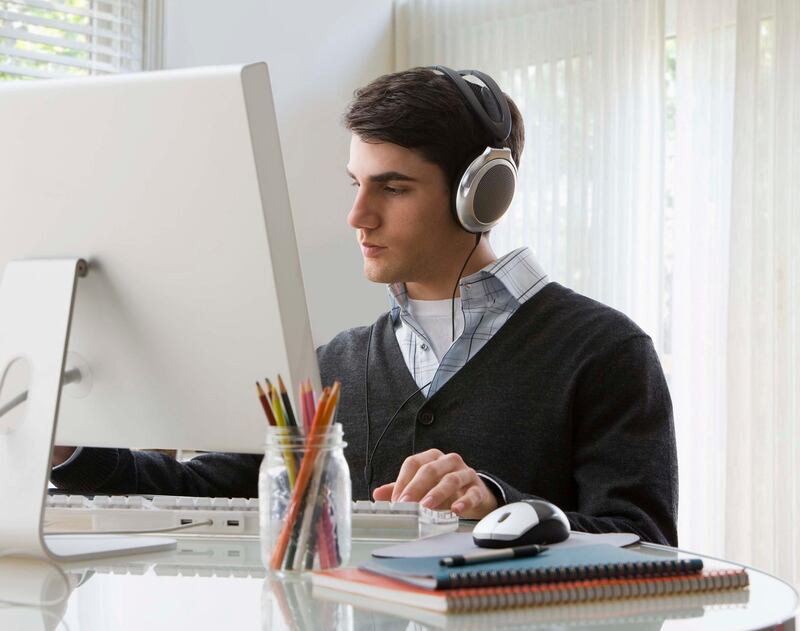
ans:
x=573 y=313
x=347 y=350
x=346 y=341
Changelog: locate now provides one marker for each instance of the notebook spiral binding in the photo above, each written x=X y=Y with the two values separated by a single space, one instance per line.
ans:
x=518 y=596
x=666 y=567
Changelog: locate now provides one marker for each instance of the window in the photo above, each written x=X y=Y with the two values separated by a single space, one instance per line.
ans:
x=43 y=39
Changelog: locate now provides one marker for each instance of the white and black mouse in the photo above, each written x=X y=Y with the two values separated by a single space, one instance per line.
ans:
x=522 y=523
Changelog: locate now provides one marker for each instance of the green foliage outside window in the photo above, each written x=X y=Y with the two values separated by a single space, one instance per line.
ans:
x=50 y=41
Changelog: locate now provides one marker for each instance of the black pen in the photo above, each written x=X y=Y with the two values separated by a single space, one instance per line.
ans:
x=498 y=554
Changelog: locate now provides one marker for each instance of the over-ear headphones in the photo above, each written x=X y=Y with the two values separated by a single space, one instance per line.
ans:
x=482 y=192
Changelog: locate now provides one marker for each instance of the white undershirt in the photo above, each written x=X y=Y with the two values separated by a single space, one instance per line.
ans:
x=435 y=318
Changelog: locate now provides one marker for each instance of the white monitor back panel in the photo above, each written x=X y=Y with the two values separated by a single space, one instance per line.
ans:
x=171 y=185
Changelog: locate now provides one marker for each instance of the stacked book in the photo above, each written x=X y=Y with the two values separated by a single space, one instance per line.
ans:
x=555 y=577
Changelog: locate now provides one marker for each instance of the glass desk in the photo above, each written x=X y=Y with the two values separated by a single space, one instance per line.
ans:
x=220 y=584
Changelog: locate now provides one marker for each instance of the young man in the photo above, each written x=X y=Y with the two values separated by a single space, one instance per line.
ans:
x=531 y=391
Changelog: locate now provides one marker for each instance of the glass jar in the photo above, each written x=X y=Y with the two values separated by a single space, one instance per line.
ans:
x=304 y=500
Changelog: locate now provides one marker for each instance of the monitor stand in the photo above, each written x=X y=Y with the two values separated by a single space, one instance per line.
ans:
x=36 y=299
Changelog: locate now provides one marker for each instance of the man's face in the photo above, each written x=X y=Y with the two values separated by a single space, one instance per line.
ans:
x=401 y=214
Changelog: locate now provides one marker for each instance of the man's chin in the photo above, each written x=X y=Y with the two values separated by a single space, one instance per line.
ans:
x=378 y=274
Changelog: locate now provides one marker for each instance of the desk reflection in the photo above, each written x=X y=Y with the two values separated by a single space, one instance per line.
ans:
x=288 y=603
x=208 y=582
x=33 y=594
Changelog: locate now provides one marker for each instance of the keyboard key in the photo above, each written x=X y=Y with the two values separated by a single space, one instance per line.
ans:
x=78 y=501
x=136 y=501
x=117 y=501
x=163 y=501
x=203 y=502
x=101 y=501
x=405 y=508
x=429 y=516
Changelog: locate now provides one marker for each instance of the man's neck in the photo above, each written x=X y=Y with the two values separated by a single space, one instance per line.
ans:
x=440 y=286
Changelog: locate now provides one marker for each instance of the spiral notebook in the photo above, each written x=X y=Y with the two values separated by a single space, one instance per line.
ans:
x=354 y=581
x=617 y=612
x=553 y=565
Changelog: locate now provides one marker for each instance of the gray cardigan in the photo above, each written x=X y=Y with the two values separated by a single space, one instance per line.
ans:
x=566 y=402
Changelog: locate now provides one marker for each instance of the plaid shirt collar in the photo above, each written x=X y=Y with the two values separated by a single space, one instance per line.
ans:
x=517 y=273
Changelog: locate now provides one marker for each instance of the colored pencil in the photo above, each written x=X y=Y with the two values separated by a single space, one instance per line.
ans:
x=304 y=412
x=306 y=540
x=293 y=555
x=323 y=416
x=288 y=456
x=312 y=508
x=288 y=559
x=326 y=545
x=328 y=540
x=310 y=401
x=322 y=539
x=287 y=402
x=317 y=524
x=265 y=404
x=276 y=404
x=301 y=400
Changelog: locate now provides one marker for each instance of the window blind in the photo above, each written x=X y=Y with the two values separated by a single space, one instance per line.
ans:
x=47 y=39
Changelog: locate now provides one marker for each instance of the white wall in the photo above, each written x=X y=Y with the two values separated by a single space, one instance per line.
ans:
x=318 y=52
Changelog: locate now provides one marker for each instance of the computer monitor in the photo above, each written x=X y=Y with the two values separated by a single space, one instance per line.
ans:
x=171 y=186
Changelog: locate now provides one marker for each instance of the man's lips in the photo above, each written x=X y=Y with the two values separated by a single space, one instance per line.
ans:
x=370 y=249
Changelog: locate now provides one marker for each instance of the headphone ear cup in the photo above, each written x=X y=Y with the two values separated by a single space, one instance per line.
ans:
x=486 y=190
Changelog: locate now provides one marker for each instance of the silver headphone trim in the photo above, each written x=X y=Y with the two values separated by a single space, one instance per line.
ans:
x=467 y=187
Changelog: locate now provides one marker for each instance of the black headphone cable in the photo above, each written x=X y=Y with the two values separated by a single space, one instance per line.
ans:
x=478 y=236
x=367 y=454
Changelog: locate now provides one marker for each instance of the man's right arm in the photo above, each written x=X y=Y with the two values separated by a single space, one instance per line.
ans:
x=61 y=455
x=122 y=471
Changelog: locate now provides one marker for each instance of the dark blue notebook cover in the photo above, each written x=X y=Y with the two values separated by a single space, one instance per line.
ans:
x=553 y=565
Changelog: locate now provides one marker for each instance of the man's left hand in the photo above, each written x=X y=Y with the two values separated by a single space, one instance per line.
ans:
x=441 y=482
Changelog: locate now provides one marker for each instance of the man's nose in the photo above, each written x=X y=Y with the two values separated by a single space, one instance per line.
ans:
x=363 y=214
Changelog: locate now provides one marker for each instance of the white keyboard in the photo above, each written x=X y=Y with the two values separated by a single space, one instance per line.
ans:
x=228 y=516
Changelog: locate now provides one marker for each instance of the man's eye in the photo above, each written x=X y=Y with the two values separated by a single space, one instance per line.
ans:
x=391 y=190
x=354 y=183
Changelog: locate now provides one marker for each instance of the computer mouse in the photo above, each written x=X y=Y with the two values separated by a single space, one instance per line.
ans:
x=521 y=523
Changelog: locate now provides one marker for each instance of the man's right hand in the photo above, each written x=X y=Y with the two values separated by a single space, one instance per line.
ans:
x=60 y=455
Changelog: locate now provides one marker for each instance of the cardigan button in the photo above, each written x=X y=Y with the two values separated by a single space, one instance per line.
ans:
x=425 y=417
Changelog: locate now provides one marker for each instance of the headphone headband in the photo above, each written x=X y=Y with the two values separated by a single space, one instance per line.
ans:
x=483 y=190
x=501 y=129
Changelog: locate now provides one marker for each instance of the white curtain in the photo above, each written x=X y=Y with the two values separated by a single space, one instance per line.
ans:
x=677 y=202
x=699 y=185
x=736 y=281
x=763 y=438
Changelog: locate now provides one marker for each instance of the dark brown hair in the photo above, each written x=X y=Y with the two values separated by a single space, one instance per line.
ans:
x=422 y=110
